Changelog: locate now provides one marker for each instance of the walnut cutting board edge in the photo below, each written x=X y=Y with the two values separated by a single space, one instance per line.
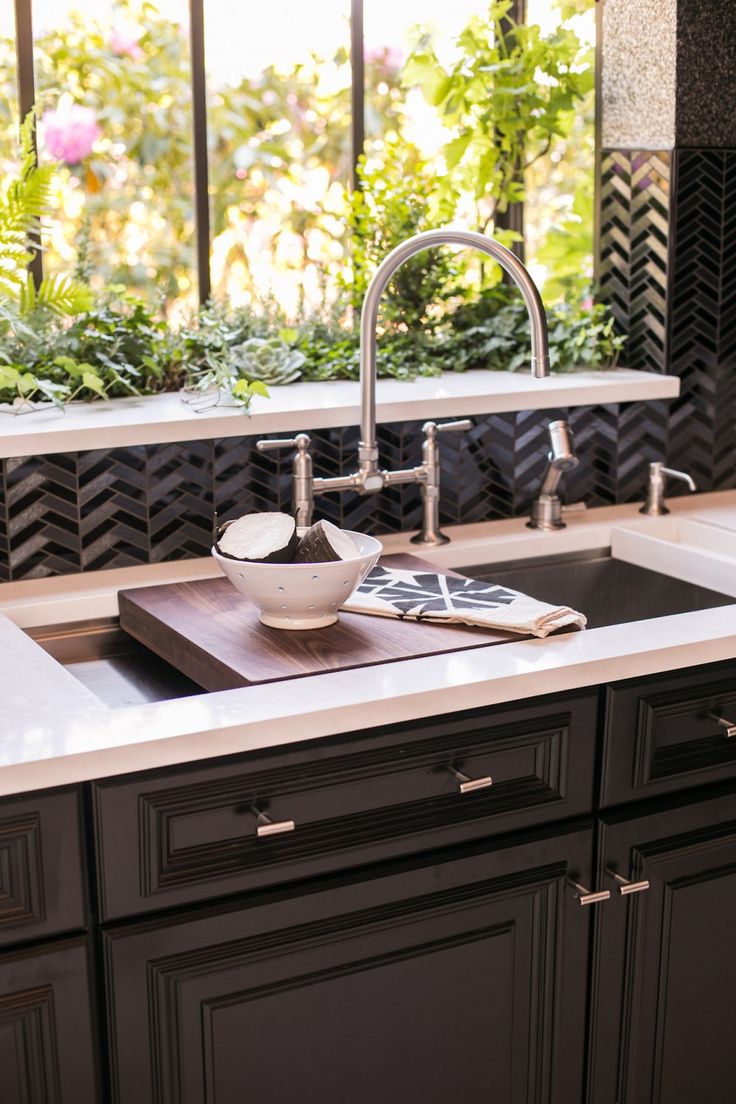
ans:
x=210 y=633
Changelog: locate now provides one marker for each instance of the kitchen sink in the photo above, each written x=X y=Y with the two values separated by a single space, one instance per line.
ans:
x=607 y=590
x=114 y=666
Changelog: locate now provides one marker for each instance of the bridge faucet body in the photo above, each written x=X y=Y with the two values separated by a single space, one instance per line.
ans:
x=369 y=478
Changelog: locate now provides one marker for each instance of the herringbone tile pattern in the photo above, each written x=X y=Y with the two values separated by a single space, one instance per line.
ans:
x=668 y=270
x=113 y=507
x=703 y=316
x=42 y=516
x=634 y=249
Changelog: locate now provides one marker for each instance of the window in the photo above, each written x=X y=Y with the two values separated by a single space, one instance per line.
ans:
x=218 y=155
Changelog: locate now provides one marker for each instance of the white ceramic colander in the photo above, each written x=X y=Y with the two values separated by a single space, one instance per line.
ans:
x=297 y=595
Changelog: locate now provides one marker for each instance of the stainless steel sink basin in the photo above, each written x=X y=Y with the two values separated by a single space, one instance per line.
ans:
x=608 y=591
x=111 y=664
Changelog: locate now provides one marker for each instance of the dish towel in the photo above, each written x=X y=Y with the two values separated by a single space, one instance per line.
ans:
x=428 y=596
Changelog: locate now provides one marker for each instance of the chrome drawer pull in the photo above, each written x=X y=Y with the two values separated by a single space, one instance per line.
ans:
x=268 y=827
x=729 y=727
x=468 y=784
x=624 y=885
x=589 y=896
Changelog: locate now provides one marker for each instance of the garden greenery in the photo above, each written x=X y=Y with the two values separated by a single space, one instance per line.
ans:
x=444 y=311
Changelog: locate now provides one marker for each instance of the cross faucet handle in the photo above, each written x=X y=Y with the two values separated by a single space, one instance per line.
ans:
x=302 y=483
x=450 y=427
x=301 y=442
x=430 y=533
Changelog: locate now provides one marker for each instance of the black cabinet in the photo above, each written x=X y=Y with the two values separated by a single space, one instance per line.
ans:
x=668 y=732
x=664 y=978
x=390 y=915
x=462 y=976
x=46 y=1042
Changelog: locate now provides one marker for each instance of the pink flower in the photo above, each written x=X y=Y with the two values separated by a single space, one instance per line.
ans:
x=124 y=42
x=70 y=133
x=388 y=57
x=587 y=303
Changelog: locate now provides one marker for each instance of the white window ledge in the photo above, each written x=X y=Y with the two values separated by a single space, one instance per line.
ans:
x=303 y=406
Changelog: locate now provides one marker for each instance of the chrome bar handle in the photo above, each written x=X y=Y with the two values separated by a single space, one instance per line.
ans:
x=302 y=481
x=269 y=827
x=589 y=896
x=729 y=727
x=468 y=784
x=429 y=478
x=624 y=885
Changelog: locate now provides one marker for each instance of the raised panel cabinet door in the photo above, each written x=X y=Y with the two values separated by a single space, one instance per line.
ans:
x=463 y=978
x=41 y=866
x=46 y=1039
x=664 y=962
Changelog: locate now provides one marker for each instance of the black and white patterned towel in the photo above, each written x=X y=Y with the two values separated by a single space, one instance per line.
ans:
x=428 y=596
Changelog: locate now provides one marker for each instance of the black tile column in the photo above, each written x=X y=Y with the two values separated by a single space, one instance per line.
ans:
x=666 y=262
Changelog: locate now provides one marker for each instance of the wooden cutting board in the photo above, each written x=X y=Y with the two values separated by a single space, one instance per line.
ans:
x=210 y=633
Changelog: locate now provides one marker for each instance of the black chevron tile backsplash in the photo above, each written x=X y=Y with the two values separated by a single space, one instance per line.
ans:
x=667 y=266
x=104 y=509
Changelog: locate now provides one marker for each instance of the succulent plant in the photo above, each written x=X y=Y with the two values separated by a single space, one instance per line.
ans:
x=268 y=359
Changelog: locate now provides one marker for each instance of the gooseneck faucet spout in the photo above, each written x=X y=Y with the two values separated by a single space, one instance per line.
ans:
x=368 y=449
x=369 y=477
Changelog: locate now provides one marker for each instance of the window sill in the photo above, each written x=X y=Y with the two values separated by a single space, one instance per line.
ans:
x=157 y=419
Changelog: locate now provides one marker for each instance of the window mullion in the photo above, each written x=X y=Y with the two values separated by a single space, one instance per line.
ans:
x=357 y=61
x=201 y=166
x=513 y=217
x=27 y=96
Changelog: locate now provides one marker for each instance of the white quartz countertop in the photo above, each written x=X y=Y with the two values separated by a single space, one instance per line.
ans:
x=303 y=406
x=54 y=731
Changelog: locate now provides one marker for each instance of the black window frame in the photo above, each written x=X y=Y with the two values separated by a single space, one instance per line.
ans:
x=513 y=218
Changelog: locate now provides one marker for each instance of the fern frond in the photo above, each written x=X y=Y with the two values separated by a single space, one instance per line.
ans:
x=26 y=200
x=62 y=294
x=27 y=150
x=27 y=297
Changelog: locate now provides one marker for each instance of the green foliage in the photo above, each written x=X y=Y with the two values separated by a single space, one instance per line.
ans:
x=494 y=333
x=116 y=349
x=400 y=195
x=568 y=245
x=506 y=100
x=120 y=348
x=489 y=332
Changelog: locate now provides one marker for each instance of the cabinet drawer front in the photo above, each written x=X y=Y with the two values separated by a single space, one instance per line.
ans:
x=663 y=733
x=461 y=977
x=193 y=834
x=41 y=866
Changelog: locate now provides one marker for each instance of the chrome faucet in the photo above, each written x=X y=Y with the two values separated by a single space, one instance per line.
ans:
x=654 y=505
x=547 y=507
x=369 y=477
